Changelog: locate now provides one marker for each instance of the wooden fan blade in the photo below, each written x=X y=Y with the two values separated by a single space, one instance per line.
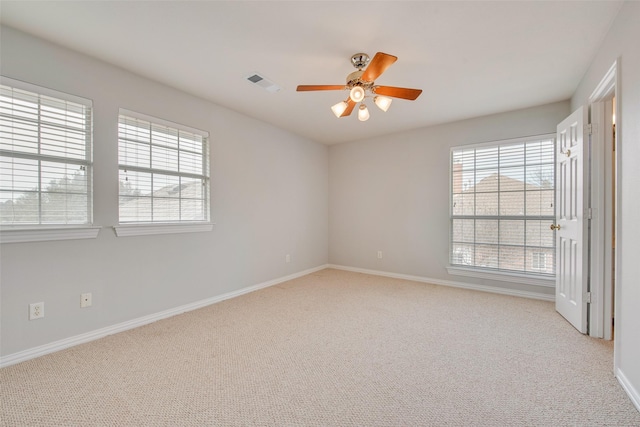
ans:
x=379 y=63
x=349 y=109
x=304 y=88
x=398 y=92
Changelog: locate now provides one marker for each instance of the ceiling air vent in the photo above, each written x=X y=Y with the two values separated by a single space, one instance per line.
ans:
x=263 y=82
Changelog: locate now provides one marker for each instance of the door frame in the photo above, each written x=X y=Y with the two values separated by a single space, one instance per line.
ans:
x=601 y=253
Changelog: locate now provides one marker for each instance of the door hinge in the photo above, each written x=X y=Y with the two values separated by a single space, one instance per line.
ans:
x=589 y=213
x=587 y=297
x=590 y=128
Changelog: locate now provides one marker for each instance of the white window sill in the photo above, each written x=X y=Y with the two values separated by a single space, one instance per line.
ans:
x=502 y=276
x=44 y=234
x=126 y=230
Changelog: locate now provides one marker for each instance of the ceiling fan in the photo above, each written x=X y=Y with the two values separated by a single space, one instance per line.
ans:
x=360 y=84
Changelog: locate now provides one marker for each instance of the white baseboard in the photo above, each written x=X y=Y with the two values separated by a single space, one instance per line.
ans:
x=629 y=388
x=134 y=323
x=483 y=288
x=34 y=352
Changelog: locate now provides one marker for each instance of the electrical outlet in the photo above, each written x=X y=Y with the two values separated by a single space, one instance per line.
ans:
x=287 y=258
x=379 y=254
x=85 y=300
x=36 y=310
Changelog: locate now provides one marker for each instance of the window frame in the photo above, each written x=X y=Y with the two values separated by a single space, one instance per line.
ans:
x=137 y=228
x=524 y=277
x=25 y=232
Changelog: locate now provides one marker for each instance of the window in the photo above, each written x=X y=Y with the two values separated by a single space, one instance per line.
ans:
x=164 y=171
x=502 y=203
x=539 y=261
x=45 y=157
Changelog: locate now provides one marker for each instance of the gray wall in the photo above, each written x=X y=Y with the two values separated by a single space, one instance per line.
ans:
x=622 y=42
x=271 y=197
x=392 y=194
x=269 y=191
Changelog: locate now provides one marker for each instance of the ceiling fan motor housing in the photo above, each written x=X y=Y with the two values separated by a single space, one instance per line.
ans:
x=354 y=79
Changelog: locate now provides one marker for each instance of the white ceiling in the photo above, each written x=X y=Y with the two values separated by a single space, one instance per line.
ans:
x=470 y=58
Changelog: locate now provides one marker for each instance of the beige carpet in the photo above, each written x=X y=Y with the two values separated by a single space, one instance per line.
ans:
x=331 y=349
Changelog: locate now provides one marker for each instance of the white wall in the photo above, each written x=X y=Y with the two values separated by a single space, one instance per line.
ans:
x=269 y=191
x=392 y=194
x=622 y=43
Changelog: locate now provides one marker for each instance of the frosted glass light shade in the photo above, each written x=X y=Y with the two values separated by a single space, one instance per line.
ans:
x=356 y=94
x=339 y=108
x=363 y=113
x=383 y=102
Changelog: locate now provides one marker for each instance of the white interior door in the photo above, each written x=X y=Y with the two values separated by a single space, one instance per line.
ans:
x=570 y=226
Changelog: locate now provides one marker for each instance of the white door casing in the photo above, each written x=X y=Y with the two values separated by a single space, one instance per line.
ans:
x=571 y=233
x=602 y=220
x=604 y=197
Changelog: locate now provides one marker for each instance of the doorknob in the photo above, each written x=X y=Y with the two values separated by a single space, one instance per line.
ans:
x=555 y=227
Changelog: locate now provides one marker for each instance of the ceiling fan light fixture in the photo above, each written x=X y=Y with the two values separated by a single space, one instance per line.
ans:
x=363 y=113
x=339 y=108
x=361 y=85
x=356 y=94
x=383 y=102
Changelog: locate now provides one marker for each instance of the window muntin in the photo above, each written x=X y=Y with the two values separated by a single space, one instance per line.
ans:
x=45 y=157
x=539 y=260
x=502 y=202
x=164 y=171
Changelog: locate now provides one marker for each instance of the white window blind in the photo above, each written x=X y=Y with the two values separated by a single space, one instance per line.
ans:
x=502 y=204
x=164 y=171
x=45 y=156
